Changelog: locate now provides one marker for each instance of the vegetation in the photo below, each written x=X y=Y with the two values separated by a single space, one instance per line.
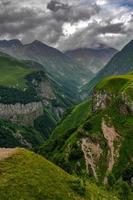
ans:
x=45 y=124
x=13 y=72
x=63 y=135
x=64 y=145
x=13 y=135
x=29 y=176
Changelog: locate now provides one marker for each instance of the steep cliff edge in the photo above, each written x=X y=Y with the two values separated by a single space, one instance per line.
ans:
x=21 y=113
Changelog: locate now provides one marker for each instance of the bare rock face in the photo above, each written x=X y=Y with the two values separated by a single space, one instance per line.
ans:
x=128 y=101
x=44 y=89
x=112 y=138
x=20 y=113
x=101 y=99
x=92 y=152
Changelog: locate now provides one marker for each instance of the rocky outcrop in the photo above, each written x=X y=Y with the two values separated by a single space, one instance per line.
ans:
x=127 y=97
x=112 y=138
x=101 y=99
x=20 y=113
x=92 y=152
x=6 y=152
x=44 y=88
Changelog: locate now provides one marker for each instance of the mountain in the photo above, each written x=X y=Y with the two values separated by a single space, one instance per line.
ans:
x=96 y=136
x=26 y=175
x=10 y=43
x=58 y=65
x=29 y=96
x=121 y=63
x=92 y=59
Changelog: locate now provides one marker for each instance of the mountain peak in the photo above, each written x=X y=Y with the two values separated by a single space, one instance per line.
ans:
x=10 y=43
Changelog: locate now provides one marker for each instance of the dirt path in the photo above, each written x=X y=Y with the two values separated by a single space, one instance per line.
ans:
x=6 y=152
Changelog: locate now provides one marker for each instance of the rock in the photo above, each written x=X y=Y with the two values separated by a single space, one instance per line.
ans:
x=101 y=99
x=20 y=113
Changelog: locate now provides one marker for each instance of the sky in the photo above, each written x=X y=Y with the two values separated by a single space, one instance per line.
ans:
x=68 y=24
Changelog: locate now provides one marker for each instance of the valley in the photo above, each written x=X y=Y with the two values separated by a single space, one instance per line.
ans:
x=65 y=129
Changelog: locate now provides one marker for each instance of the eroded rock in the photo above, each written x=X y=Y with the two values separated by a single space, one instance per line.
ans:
x=92 y=152
x=112 y=137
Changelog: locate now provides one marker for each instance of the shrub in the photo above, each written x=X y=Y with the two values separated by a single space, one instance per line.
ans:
x=78 y=186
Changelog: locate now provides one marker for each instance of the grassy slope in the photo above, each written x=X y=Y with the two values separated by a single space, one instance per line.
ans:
x=70 y=123
x=115 y=83
x=13 y=72
x=29 y=176
x=67 y=153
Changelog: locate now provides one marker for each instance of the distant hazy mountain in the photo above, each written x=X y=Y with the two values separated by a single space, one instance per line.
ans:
x=92 y=59
x=121 y=63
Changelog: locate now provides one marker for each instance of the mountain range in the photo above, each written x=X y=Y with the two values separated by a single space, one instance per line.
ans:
x=55 y=144
x=63 y=67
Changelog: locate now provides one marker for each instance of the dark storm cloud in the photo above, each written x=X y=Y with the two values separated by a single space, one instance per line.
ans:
x=111 y=28
x=72 y=13
x=55 y=6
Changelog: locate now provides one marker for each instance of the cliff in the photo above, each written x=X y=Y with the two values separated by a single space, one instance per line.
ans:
x=20 y=113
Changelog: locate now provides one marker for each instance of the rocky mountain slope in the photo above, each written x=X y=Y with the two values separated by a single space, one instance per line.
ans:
x=28 y=176
x=121 y=63
x=92 y=59
x=96 y=137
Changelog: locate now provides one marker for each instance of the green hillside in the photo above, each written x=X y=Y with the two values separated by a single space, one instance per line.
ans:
x=28 y=176
x=94 y=130
x=54 y=147
x=13 y=72
x=115 y=83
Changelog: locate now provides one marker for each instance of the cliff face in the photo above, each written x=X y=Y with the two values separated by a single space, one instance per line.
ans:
x=20 y=113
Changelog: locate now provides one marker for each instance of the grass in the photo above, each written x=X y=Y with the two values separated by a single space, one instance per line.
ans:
x=29 y=176
x=13 y=72
x=74 y=119
x=114 y=83
x=54 y=147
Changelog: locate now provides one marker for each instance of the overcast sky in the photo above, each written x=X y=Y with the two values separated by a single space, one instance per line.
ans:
x=68 y=24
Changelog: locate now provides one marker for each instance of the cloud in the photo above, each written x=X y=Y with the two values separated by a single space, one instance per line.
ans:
x=105 y=22
x=55 y=6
